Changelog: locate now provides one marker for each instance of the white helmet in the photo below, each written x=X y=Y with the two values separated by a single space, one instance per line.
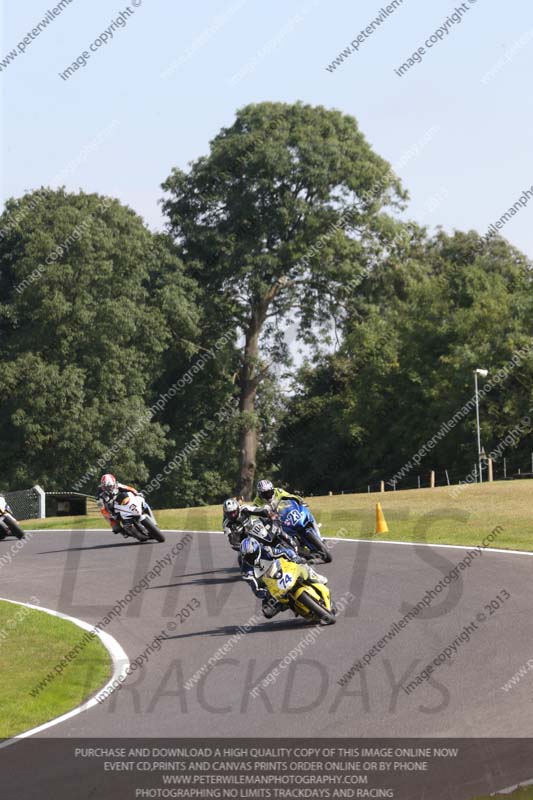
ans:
x=231 y=508
x=265 y=490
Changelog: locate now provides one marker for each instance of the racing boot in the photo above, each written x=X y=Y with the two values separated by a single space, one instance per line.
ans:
x=314 y=576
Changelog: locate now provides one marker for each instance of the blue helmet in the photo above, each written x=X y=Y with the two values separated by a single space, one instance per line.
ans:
x=250 y=551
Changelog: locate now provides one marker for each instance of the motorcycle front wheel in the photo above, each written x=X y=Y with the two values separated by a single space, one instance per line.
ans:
x=317 y=610
x=153 y=530
x=135 y=532
x=14 y=527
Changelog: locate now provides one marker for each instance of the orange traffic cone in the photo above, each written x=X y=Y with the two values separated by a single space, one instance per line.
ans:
x=381 y=522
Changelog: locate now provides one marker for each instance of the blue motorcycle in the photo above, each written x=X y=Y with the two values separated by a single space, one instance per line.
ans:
x=298 y=521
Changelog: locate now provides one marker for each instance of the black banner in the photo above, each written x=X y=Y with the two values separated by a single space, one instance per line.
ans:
x=137 y=769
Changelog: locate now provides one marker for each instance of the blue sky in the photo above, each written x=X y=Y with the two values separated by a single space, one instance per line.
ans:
x=166 y=82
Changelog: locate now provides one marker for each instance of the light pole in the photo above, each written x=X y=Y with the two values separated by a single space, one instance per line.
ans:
x=483 y=373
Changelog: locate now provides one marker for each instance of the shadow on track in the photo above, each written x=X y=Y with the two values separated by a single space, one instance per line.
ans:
x=232 y=630
x=208 y=572
x=92 y=547
x=204 y=582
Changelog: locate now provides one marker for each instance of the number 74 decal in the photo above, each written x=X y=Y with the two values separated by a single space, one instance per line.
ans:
x=284 y=581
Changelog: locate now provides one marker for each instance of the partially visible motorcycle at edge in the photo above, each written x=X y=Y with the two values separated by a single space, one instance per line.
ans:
x=8 y=523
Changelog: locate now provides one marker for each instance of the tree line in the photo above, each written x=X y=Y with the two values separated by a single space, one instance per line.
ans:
x=130 y=351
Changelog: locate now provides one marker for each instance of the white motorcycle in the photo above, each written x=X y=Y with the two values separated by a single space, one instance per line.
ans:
x=8 y=523
x=269 y=533
x=135 y=517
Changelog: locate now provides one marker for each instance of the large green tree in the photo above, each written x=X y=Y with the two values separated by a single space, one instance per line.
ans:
x=90 y=301
x=277 y=223
x=417 y=329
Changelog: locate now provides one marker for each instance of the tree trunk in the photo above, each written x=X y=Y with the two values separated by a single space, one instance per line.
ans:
x=249 y=441
x=247 y=462
x=249 y=382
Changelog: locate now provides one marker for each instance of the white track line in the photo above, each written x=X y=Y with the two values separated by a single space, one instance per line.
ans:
x=429 y=544
x=118 y=657
x=511 y=789
x=404 y=544
x=328 y=538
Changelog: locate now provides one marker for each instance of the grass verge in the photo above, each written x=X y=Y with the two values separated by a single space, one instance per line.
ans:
x=525 y=793
x=31 y=644
x=445 y=515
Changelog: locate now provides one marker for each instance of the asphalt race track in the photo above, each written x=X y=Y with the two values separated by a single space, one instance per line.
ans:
x=85 y=573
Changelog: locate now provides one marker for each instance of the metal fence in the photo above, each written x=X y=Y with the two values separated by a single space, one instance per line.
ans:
x=27 y=503
x=518 y=464
x=35 y=503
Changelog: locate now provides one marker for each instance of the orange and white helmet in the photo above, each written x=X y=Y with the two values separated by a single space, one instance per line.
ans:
x=108 y=484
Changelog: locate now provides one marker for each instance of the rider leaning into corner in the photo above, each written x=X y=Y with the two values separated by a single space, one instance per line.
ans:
x=107 y=493
x=253 y=553
x=235 y=515
x=272 y=495
x=236 y=526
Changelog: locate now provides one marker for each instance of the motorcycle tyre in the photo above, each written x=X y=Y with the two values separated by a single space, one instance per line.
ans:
x=318 y=611
x=153 y=530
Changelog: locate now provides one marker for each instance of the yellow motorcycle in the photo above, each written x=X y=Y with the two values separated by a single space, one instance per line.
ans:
x=290 y=584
